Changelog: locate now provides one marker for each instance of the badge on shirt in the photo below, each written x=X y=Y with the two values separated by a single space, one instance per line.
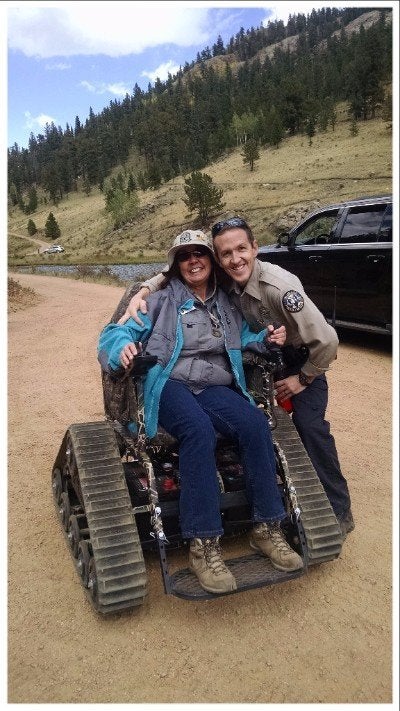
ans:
x=293 y=301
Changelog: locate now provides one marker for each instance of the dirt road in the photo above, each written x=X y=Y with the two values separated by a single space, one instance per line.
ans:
x=41 y=244
x=323 y=638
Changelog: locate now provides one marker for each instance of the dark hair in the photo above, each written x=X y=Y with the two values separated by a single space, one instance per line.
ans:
x=230 y=223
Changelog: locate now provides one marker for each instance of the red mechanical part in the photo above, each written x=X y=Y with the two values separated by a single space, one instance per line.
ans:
x=169 y=484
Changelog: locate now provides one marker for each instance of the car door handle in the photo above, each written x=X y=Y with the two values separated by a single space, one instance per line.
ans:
x=375 y=258
x=314 y=258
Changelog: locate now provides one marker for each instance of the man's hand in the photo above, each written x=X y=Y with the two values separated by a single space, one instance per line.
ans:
x=287 y=387
x=276 y=335
x=137 y=303
x=128 y=353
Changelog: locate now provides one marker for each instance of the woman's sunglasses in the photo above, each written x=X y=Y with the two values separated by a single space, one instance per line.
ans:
x=186 y=254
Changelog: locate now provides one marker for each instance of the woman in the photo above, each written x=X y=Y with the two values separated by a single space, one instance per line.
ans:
x=196 y=389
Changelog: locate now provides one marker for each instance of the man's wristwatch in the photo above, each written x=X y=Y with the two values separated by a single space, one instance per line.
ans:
x=304 y=379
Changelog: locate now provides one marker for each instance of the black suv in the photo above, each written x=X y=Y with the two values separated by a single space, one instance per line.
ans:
x=342 y=254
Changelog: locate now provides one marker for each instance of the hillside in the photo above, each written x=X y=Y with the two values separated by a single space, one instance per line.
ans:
x=289 y=44
x=293 y=178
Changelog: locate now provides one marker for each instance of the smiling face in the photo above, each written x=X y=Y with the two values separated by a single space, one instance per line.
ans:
x=195 y=267
x=236 y=254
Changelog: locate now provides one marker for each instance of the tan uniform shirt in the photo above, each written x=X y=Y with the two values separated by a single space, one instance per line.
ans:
x=274 y=294
x=266 y=298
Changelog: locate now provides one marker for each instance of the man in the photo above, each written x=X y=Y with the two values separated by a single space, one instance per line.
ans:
x=266 y=293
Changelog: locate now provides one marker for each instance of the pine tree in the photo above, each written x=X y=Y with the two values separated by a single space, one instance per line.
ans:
x=311 y=122
x=202 y=195
x=333 y=118
x=387 y=108
x=78 y=126
x=86 y=186
x=32 y=229
x=276 y=131
x=52 y=182
x=154 y=176
x=218 y=47
x=51 y=228
x=353 y=127
x=32 y=201
x=131 y=184
x=13 y=192
x=142 y=181
x=250 y=153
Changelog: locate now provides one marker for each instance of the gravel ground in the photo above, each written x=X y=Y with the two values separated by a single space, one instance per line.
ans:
x=323 y=638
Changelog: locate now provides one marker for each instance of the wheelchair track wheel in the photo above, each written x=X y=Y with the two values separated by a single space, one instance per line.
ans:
x=97 y=517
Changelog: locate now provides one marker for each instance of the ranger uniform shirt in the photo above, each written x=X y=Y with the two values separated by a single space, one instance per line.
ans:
x=274 y=294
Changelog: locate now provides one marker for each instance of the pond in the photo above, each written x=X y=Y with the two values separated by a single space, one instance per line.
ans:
x=126 y=272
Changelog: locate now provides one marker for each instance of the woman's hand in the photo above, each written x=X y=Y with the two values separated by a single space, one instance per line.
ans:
x=137 y=303
x=128 y=353
x=276 y=335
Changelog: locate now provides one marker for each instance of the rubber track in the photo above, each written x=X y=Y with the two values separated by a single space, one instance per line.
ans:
x=117 y=551
x=321 y=528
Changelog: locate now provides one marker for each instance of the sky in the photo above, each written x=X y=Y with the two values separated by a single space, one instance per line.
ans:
x=64 y=58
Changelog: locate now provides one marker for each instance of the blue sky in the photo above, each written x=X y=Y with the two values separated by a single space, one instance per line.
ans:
x=65 y=57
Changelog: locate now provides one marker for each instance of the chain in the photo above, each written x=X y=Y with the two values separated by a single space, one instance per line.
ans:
x=142 y=444
x=288 y=484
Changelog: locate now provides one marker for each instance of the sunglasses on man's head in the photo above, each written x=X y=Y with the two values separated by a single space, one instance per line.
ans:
x=226 y=224
x=186 y=254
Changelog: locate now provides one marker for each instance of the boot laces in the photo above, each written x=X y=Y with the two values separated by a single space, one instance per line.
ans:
x=213 y=555
x=274 y=532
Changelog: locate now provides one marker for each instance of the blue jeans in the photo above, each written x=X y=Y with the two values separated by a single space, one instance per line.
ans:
x=194 y=420
x=309 y=408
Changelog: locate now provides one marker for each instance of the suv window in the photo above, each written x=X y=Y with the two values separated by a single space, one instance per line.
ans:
x=385 y=234
x=362 y=224
x=318 y=229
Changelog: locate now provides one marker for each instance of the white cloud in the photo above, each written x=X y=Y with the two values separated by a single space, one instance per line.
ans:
x=35 y=122
x=117 y=88
x=162 y=71
x=111 y=28
x=58 y=66
x=88 y=85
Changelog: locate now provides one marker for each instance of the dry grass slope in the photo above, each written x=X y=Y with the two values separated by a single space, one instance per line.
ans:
x=336 y=166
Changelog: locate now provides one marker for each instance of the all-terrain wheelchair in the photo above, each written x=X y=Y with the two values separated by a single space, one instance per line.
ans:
x=117 y=494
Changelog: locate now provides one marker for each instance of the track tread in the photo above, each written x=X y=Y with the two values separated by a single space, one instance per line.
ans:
x=117 y=551
x=321 y=528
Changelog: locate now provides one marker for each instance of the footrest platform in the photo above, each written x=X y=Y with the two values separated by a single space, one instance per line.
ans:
x=250 y=571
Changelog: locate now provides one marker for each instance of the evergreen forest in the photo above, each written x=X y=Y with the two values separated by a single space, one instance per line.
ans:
x=267 y=83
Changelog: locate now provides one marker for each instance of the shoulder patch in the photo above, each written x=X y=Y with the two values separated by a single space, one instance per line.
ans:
x=293 y=301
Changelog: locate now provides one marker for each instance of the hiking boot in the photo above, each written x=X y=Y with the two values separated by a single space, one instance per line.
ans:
x=346 y=523
x=205 y=561
x=269 y=539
